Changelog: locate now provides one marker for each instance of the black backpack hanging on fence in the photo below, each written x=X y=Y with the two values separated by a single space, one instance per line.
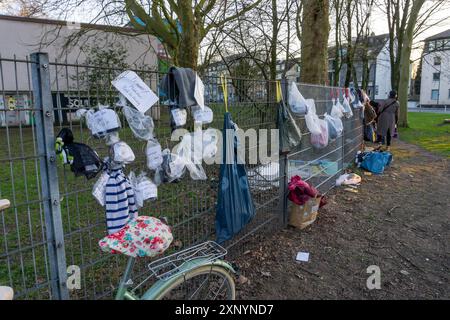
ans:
x=83 y=159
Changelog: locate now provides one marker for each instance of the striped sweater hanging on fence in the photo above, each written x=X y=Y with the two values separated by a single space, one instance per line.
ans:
x=120 y=201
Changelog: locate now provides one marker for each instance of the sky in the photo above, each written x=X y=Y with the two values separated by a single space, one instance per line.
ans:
x=85 y=13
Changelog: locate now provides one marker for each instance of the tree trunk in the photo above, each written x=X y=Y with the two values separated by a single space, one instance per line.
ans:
x=314 y=46
x=274 y=41
x=189 y=46
x=405 y=62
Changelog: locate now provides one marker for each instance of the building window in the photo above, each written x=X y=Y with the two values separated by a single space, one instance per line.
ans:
x=434 y=94
x=449 y=93
x=437 y=61
x=431 y=45
x=436 y=76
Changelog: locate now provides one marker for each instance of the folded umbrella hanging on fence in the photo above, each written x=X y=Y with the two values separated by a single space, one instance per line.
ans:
x=235 y=206
x=290 y=134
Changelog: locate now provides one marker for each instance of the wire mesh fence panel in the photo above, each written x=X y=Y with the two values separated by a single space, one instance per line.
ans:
x=24 y=260
x=188 y=205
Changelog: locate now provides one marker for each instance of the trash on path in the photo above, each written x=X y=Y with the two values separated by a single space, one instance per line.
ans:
x=348 y=179
x=302 y=256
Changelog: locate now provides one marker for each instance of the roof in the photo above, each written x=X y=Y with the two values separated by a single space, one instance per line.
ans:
x=68 y=23
x=441 y=35
x=375 y=45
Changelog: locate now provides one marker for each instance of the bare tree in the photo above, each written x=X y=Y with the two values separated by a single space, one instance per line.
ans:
x=314 y=44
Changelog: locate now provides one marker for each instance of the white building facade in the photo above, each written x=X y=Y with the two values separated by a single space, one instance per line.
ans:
x=19 y=37
x=435 y=75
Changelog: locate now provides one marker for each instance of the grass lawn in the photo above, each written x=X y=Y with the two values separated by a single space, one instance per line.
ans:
x=428 y=131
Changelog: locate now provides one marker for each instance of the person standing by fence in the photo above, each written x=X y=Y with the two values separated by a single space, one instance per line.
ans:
x=387 y=119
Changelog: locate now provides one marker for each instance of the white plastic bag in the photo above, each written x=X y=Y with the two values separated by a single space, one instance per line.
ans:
x=336 y=109
x=99 y=188
x=348 y=179
x=102 y=121
x=296 y=101
x=179 y=116
x=335 y=126
x=189 y=151
x=141 y=124
x=311 y=119
x=203 y=116
x=320 y=140
x=154 y=154
x=348 y=113
x=121 y=153
x=144 y=188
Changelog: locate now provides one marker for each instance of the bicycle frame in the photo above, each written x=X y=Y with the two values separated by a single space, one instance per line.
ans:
x=152 y=293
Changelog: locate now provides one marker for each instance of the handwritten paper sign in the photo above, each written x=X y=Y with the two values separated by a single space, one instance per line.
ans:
x=135 y=90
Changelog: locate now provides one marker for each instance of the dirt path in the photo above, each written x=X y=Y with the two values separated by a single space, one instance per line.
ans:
x=398 y=221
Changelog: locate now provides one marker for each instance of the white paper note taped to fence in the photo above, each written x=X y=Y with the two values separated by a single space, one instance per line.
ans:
x=135 y=90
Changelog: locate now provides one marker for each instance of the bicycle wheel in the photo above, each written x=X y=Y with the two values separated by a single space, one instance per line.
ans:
x=207 y=282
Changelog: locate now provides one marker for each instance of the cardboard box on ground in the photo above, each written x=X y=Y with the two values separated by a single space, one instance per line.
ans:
x=302 y=216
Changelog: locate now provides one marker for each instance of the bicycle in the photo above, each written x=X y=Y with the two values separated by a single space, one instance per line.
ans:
x=196 y=273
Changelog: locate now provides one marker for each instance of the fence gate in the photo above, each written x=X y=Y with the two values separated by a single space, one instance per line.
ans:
x=54 y=222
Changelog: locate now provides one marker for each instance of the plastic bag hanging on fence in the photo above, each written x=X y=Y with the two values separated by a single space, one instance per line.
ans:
x=235 y=206
x=290 y=134
x=154 y=154
x=144 y=188
x=172 y=168
x=120 y=152
x=335 y=126
x=99 y=188
x=120 y=199
x=178 y=117
x=189 y=151
x=203 y=116
x=311 y=120
x=320 y=140
x=348 y=113
x=296 y=101
x=141 y=124
x=336 y=109
x=101 y=122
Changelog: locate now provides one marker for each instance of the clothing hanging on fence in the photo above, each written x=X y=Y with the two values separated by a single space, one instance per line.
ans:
x=83 y=159
x=179 y=86
x=120 y=200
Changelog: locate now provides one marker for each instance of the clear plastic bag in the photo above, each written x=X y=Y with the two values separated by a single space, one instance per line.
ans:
x=189 y=151
x=141 y=124
x=348 y=113
x=203 y=116
x=296 y=101
x=335 y=126
x=121 y=152
x=102 y=121
x=171 y=169
x=99 y=188
x=320 y=140
x=144 y=188
x=154 y=154
x=312 y=123
x=336 y=109
x=178 y=117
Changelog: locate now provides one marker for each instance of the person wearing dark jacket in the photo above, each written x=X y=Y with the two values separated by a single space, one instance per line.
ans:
x=388 y=118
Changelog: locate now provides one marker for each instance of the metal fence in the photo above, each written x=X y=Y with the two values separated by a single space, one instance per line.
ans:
x=54 y=222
